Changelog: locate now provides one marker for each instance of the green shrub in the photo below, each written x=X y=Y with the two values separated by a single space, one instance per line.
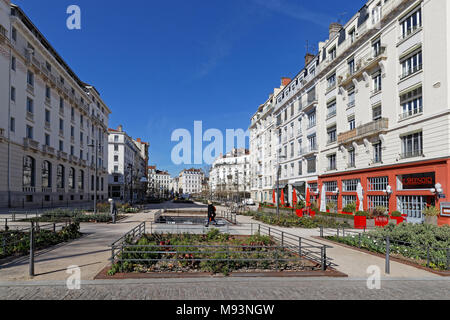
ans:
x=379 y=211
x=431 y=211
x=351 y=207
x=396 y=214
x=362 y=214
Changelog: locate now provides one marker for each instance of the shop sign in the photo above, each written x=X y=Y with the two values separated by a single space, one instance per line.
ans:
x=418 y=181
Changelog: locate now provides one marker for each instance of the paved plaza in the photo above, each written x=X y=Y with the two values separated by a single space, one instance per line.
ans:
x=92 y=251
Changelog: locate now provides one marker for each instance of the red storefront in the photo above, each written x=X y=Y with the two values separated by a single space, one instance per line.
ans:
x=410 y=183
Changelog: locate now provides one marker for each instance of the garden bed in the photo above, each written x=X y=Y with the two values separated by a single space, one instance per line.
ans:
x=76 y=216
x=17 y=243
x=212 y=253
x=293 y=221
x=423 y=245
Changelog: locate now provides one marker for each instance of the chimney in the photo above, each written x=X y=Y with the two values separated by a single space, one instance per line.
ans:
x=334 y=29
x=285 y=81
x=120 y=128
x=138 y=140
x=308 y=58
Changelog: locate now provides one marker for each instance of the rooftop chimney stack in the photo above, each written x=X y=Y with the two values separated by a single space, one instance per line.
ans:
x=308 y=58
x=120 y=128
x=335 y=28
x=285 y=81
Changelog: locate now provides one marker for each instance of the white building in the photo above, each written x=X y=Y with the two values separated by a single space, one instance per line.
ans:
x=230 y=173
x=49 y=119
x=125 y=166
x=163 y=183
x=191 y=181
x=372 y=107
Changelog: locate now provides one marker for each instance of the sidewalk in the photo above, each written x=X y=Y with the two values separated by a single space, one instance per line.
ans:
x=90 y=253
x=352 y=262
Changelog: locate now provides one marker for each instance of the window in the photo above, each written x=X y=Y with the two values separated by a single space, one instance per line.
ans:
x=29 y=132
x=331 y=110
x=377 y=153
x=311 y=120
x=351 y=123
x=46 y=174
x=47 y=93
x=312 y=143
x=376 y=82
x=300 y=168
x=351 y=98
x=411 y=23
x=332 y=53
x=13 y=124
x=346 y=200
x=116 y=138
x=48 y=66
x=80 y=180
x=72 y=132
x=412 y=145
x=61 y=104
x=411 y=64
x=331 y=132
x=378 y=201
x=413 y=206
x=14 y=34
x=378 y=184
x=376 y=113
x=13 y=94
x=350 y=185
x=311 y=164
x=331 y=81
x=351 y=66
x=116 y=168
x=376 y=13
x=61 y=125
x=376 y=48
x=47 y=139
x=29 y=169
x=72 y=151
x=30 y=78
x=116 y=158
x=116 y=147
x=72 y=178
x=13 y=63
x=61 y=145
x=330 y=186
x=411 y=103
x=331 y=162
x=351 y=158
x=30 y=105
x=60 y=172
x=352 y=35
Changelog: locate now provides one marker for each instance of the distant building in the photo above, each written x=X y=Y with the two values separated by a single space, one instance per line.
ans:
x=191 y=181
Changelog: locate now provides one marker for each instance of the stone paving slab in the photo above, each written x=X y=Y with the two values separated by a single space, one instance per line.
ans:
x=255 y=289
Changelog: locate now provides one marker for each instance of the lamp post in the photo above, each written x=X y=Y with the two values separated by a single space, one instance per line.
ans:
x=279 y=156
x=97 y=147
x=130 y=166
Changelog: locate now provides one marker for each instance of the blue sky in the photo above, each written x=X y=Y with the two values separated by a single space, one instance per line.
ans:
x=161 y=65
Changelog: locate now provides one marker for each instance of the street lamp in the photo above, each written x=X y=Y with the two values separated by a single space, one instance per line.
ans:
x=96 y=173
x=279 y=156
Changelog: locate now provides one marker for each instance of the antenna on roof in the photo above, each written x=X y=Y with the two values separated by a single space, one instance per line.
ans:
x=341 y=17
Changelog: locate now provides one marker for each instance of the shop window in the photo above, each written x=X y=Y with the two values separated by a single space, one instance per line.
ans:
x=378 y=201
x=378 y=184
x=350 y=185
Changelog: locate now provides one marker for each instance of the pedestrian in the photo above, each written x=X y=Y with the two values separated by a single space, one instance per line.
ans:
x=211 y=213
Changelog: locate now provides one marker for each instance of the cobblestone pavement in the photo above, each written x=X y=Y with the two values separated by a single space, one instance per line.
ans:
x=230 y=289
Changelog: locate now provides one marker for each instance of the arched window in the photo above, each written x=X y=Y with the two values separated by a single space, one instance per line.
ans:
x=80 y=180
x=72 y=178
x=29 y=169
x=46 y=174
x=60 y=177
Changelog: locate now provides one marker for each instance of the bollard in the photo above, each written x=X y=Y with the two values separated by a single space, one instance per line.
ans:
x=282 y=239
x=54 y=227
x=31 y=270
x=321 y=231
x=388 y=266
x=323 y=254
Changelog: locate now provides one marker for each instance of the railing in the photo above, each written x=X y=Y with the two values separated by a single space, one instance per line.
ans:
x=438 y=256
x=48 y=149
x=287 y=242
x=411 y=113
x=29 y=143
x=411 y=154
x=370 y=128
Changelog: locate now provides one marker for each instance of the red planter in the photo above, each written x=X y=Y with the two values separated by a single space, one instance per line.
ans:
x=348 y=213
x=299 y=213
x=360 y=222
x=312 y=213
x=381 y=221
x=398 y=219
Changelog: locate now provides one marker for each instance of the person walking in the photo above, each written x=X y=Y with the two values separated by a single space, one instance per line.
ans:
x=211 y=214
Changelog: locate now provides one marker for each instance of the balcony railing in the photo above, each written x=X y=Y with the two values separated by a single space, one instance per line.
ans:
x=62 y=155
x=411 y=154
x=29 y=143
x=372 y=128
x=48 y=149
x=411 y=113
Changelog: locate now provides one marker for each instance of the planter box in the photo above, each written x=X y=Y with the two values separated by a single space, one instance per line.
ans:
x=381 y=221
x=299 y=213
x=360 y=222
x=348 y=213
x=431 y=220
x=398 y=220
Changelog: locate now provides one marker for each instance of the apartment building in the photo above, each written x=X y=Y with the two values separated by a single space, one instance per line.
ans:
x=372 y=108
x=263 y=156
x=53 y=128
x=127 y=178
x=191 y=181
x=230 y=174
x=160 y=182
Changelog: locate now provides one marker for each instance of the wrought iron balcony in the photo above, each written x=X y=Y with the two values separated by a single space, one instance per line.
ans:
x=367 y=130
